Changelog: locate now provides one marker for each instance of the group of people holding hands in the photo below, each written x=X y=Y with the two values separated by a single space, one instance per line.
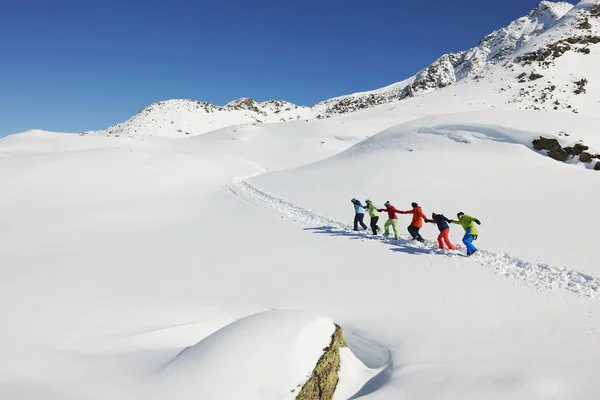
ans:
x=418 y=216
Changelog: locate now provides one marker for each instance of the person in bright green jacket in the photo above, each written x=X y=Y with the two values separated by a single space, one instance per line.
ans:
x=471 y=232
x=372 y=209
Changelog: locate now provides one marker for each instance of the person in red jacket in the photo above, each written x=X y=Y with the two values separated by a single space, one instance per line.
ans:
x=392 y=219
x=417 y=221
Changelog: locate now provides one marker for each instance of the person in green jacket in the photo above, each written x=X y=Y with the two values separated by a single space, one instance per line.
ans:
x=471 y=232
x=372 y=209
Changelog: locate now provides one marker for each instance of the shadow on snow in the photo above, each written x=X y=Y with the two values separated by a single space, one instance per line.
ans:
x=403 y=245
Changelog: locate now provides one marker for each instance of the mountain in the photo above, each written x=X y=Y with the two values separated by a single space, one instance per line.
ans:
x=545 y=60
x=495 y=48
x=191 y=117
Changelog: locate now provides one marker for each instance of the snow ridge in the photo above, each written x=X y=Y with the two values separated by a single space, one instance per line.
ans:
x=181 y=117
x=537 y=275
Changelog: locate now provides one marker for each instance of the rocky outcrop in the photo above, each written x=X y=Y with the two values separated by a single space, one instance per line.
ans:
x=546 y=55
x=354 y=103
x=580 y=89
x=324 y=378
x=553 y=147
x=439 y=74
x=560 y=153
x=245 y=104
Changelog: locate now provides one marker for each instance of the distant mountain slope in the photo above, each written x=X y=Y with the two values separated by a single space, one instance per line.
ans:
x=492 y=50
x=191 y=117
x=546 y=60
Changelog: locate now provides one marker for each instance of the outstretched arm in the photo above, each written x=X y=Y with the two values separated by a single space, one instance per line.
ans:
x=472 y=219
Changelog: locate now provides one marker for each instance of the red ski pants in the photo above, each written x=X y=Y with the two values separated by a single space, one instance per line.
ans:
x=443 y=238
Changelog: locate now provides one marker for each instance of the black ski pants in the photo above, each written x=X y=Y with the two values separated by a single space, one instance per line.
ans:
x=359 y=219
x=374 y=226
x=414 y=232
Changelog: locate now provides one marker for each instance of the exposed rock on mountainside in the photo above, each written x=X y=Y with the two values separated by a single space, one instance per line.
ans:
x=545 y=56
x=349 y=104
x=438 y=75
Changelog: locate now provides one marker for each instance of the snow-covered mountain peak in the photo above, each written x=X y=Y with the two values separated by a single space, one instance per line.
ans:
x=492 y=59
x=244 y=103
x=550 y=11
x=179 y=117
x=264 y=108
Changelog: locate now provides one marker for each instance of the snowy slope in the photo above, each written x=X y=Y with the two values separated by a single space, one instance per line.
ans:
x=296 y=341
x=178 y=118
x=492 y=163
x=119 y=251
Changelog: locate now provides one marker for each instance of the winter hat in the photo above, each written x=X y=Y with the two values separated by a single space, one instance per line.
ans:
x=460 y=214
x=414 y=204
x=367 y=201
x=387 y=203
x=433 y=215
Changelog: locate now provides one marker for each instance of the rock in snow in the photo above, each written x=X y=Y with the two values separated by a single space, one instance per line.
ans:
x=301 y=354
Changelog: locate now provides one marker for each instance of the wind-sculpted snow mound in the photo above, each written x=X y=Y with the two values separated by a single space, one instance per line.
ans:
x=253 y=352
x=289 y=348
x=514 y=127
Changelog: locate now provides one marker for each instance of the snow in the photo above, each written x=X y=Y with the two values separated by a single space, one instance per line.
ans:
x=536 y=274
x=364 y=368
x=181 y=118
x=241 y=352
x=120 y=250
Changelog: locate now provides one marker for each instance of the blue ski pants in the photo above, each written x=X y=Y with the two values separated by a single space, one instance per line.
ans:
x=468 y=241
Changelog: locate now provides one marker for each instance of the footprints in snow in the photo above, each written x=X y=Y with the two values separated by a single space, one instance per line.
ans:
x=539 y=275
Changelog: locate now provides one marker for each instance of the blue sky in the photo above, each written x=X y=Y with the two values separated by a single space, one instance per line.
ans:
x=82 y=65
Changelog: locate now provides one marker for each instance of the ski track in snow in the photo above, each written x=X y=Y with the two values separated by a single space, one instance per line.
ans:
x=538 y=275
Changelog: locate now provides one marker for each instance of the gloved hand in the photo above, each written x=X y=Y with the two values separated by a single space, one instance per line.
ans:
x=477 y=222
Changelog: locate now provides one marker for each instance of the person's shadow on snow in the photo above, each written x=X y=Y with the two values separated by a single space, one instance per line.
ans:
x=402 y=245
